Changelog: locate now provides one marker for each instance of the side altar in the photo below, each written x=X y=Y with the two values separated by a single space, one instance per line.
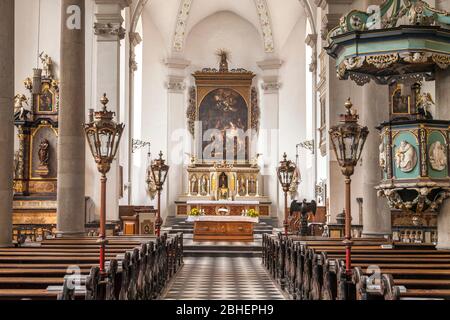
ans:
x=35 y=160
x=223 y=119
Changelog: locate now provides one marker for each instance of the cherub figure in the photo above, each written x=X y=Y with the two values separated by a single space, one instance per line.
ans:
x=19 y=108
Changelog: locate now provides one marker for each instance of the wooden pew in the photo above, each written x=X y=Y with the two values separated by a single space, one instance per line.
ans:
x=138 y=268
x=315 y=270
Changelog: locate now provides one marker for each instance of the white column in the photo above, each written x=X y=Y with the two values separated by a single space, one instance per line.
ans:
x=109 y=31
x=177 y=135
x=6 y=119
x=269 y=132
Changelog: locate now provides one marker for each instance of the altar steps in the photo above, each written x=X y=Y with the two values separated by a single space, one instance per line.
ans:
x=221 y=248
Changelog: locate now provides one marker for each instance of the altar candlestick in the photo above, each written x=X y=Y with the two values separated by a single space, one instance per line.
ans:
x=247 y=187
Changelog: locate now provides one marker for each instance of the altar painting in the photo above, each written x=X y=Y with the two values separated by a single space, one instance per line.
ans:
x=224 y=118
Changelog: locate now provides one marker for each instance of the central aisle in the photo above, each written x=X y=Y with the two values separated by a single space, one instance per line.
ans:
x=223 y=278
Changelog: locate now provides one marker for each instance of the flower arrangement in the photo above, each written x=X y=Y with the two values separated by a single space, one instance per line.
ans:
x=252 y=213
x=194 y=212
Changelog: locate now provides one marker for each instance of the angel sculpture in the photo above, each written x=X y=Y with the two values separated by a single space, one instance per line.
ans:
x=424 y=102
x=19 y=109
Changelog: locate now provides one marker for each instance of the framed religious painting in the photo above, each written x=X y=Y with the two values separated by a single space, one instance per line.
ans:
x=223 y=115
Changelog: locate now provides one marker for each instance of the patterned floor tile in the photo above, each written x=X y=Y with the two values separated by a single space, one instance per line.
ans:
x=223 y=278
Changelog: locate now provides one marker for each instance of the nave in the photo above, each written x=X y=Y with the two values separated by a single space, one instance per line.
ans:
x=223 y=278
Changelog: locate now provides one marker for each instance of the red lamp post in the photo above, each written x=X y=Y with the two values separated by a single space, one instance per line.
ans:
x=103 y=136
x=348 y=139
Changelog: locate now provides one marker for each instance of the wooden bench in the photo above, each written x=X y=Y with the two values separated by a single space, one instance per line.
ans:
x=138 y=268
x=315 y=269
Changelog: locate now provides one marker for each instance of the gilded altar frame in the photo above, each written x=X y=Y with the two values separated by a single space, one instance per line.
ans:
x=209 y=80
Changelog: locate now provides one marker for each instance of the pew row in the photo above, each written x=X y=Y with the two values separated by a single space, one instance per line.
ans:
x=66 y=269
x=315 y=269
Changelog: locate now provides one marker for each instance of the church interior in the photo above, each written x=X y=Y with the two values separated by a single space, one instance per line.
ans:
x=225 y=150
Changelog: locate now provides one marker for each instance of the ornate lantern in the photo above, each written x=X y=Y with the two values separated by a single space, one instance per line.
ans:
x=286 y=172
x=159 y=171
x=103 y=136
x=348 y=139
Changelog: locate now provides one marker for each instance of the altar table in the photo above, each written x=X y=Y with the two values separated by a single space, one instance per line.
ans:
x=225 y=228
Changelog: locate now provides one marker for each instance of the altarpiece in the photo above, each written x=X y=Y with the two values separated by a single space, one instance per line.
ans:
x=223 y=118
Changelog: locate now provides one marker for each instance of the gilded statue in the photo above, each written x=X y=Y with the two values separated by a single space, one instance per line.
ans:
x=438 y=156
x=43 y=153
x=223 y=56
x=47 y=64
x=406 y=157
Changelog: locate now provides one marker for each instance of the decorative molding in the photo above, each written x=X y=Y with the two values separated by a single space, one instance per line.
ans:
x=310 y=14
x=269 y=87
x=324 y=3
x=176 y=84
x=191 y=112
x=266 y=25
x=256 y=112
x=311 y=40
x=135 y=39
x=329 y=21
x=181 y=24
x=109 y=29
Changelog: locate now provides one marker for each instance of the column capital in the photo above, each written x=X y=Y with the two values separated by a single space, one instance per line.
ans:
x=270 y=68
x=108 y=19
x=109 y=29
x=176 y=74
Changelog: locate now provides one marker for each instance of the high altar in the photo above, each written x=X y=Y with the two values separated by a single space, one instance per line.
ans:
x=223 y=117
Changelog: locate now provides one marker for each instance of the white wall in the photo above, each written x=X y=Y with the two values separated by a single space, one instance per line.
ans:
x=224 y=30
x=295 y=120
x=150 y=118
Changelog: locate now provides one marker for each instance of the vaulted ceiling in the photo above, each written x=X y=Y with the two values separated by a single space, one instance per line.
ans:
x=274 y=19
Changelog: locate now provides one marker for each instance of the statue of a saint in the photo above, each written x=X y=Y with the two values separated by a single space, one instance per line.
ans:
x=204 y=185
x=47 y=64
x=242 y=186
x=194 y=184
x=382 y=157
x=406 y=157
x=43 y=153
x=438 y=156
x=424 y=103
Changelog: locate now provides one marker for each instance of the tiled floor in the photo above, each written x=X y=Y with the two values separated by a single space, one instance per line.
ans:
x=223 y=278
